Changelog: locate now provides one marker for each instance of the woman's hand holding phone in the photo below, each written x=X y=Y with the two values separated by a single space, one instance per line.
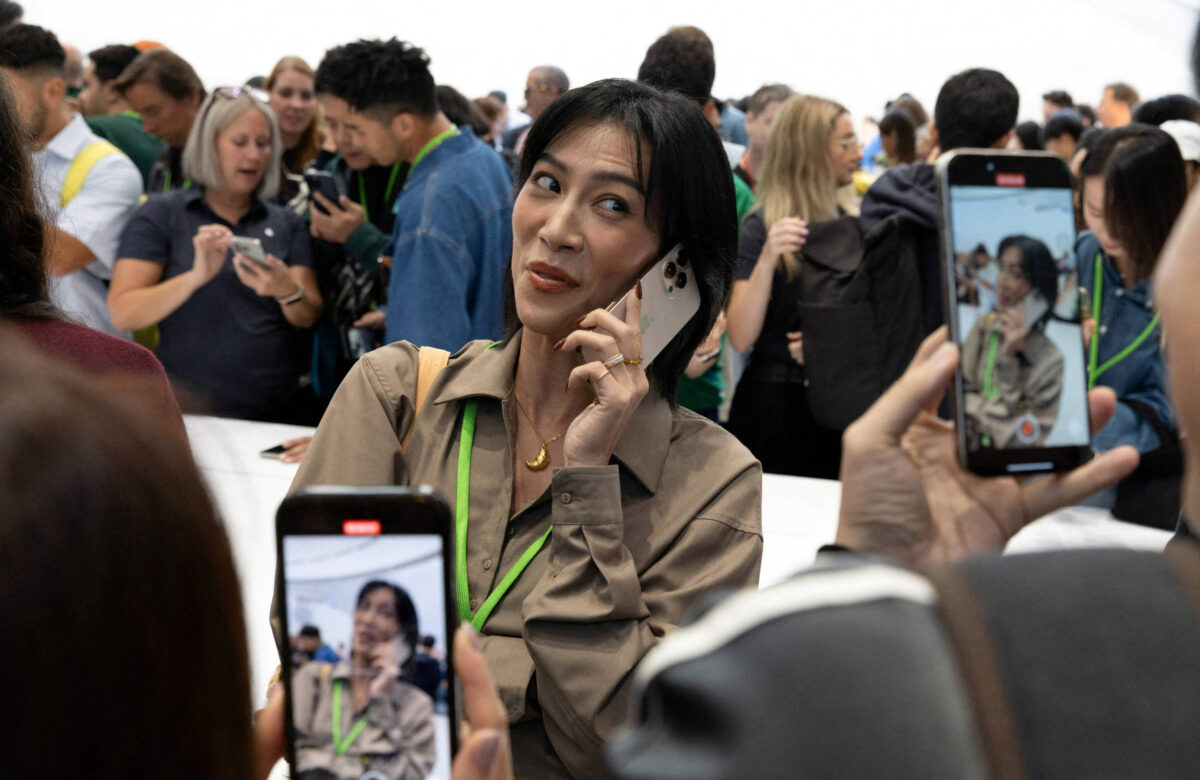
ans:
x=1013 y=329
x=386 y=658
x=274 y=281
x=906 y=495
x=619 y=388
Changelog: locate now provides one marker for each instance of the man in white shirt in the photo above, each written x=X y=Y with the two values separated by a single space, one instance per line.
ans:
x=88 y=188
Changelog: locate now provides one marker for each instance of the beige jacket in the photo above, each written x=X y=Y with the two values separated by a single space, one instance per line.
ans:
x=398 y=740
x=635 y=544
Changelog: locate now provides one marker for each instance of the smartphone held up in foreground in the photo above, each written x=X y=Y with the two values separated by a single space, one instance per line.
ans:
x=365 y=580
x=1011 y=297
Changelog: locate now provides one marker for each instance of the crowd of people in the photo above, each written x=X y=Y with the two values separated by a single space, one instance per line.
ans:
x=427 y=278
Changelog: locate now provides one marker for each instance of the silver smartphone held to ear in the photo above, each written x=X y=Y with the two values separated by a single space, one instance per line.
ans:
x=252 y=248
x=1011 y=295
x=670 y=298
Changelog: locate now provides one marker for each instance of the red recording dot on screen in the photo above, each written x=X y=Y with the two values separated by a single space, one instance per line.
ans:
x=361 y=527
x=1010 y=180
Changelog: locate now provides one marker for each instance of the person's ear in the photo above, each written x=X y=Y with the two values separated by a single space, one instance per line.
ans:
x=712 y=114
x=1005 y=139
x=401 y=127
x=109 y=95
x=53 y=91
x=934 y=140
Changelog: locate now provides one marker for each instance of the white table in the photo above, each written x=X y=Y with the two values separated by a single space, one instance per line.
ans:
x=799 y=515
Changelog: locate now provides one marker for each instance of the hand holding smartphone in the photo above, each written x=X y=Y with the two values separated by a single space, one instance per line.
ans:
x=1020 y=393
x=365 y=573
x=250 y=248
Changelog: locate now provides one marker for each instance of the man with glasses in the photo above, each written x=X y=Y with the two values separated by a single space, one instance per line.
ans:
x=162 y=87
x=543 y=84
x=87 y=186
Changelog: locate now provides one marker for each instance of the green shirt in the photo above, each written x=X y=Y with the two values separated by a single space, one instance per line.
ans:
x=707 y=390
x=125 y=132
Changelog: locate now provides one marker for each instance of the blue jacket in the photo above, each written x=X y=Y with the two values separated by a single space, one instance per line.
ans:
x=1142 y=376
x=450 y=247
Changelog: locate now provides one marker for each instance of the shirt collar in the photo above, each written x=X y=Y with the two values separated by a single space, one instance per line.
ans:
x=193 y=197
x=642 y=449
x=70 y=140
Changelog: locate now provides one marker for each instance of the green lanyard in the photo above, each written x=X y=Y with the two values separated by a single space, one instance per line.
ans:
x=989 y=390
x=362 y=191
x=167 y=182
x=1094 y=370
x=433 y=144
x=340 y=746
x=465 y=442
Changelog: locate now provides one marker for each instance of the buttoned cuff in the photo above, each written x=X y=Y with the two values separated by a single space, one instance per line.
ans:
x=586 y=496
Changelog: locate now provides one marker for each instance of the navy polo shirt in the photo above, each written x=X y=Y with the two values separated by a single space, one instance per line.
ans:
x=226 y=344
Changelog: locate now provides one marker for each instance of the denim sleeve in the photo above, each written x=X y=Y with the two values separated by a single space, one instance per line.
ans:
x=1127 y=426
x=429 y=290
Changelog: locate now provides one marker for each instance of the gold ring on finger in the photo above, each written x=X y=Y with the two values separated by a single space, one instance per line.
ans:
x=614 y=360
x=606 y=373
x=637 y=361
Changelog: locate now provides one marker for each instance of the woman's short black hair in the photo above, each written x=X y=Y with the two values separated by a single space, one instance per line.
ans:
x=406 y=616
x=1145 y=186
x=688 y=187
x=1039 y=268
x=24 y=284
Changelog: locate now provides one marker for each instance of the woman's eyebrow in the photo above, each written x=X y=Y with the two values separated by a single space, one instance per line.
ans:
x=613 y=176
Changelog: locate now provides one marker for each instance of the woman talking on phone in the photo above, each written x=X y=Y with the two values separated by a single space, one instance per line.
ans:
x=591 y=512
x=1012 y=372
x=391 y=720
x=812 y=151
x=232 y=330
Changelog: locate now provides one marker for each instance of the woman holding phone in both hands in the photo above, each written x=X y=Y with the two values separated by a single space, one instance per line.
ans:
x=591 y=512
x=231 y=331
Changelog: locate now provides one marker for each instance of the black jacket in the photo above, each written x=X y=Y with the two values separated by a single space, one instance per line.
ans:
x=909 y=192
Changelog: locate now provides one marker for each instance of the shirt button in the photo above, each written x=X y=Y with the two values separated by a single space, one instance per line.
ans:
x=1103 y=329
x=566 y=497
x=1120 y=292
x=474 y=603
x=487 y=564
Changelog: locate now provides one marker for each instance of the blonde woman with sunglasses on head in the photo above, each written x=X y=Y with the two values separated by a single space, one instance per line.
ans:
x=231 y=325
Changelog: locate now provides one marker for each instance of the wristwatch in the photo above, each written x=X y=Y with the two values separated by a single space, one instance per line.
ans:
x=288 y=301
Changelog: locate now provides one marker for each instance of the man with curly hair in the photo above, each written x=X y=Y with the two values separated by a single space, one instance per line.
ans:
x=452 y=234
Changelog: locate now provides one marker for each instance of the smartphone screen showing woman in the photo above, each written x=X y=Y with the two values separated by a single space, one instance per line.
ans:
x=1017 y=320
x=368 y=644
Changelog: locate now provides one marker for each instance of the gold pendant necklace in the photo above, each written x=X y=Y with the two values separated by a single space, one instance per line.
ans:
x=543 y=457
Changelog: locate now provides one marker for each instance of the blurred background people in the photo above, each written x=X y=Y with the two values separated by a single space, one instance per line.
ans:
x=1061 y=133
x=898 y=138
x=294 y=101
x=87 y=186
x=164 y=90
x=543 y=84
x=233 y=330
x=1115 y=108
x=1055 y=102
x=812 y=151
x=109 y=114
x=761 y=108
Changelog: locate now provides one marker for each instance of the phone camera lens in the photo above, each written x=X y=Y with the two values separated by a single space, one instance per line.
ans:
x=681 y=280
x=991 y=166
x=670 y=270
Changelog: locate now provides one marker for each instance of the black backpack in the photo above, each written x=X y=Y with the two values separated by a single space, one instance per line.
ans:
x=861 y=313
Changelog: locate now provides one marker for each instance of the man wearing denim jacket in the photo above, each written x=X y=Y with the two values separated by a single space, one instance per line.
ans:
x=452 y=234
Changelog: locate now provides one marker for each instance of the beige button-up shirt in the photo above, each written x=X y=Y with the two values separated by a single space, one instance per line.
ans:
x=398 y=740
x=635 y=544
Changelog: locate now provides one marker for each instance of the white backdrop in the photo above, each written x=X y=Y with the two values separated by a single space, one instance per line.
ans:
x=860 y=52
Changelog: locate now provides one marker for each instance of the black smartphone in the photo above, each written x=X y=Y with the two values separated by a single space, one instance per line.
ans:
x=326 y=183
x=366 y=581
x=1011 y=297
x=273 y=452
